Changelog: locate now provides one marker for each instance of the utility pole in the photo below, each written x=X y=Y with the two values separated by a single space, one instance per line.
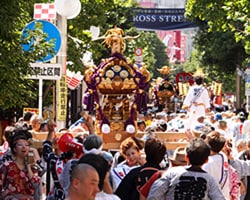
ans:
x=238 y=89
x=62 y=89
x=66 y=10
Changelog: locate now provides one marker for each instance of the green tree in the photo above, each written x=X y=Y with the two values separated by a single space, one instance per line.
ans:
x=223 y=39
x=15 y=88
x=223 y=15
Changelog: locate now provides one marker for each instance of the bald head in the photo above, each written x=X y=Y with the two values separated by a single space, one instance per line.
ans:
x=84 y=183
x=81 y=171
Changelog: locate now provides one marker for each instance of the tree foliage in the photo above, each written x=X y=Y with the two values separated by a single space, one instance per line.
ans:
x=222 y=39
x=219 y=49
x=224 y=15
x=15 y=89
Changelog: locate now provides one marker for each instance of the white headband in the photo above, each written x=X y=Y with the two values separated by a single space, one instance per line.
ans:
x=93 y=150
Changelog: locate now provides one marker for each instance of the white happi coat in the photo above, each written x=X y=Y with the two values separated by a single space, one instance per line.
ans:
x=197 y=104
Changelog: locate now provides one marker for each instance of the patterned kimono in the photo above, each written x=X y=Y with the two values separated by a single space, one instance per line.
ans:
x=15 y=183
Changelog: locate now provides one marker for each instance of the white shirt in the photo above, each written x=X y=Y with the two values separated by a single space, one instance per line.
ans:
x=118 y=173
x=217 y=166
x=246 y=128
x=225 y=133
x=104 y=196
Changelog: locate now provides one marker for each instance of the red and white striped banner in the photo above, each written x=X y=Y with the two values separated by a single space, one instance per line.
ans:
x=73 y=80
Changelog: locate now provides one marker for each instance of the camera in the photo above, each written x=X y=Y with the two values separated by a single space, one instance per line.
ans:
x=30 y=158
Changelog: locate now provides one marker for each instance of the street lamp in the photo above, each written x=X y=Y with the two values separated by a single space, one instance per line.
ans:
x=66 y=9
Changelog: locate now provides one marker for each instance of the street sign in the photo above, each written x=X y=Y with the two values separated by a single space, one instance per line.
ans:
x=33 y=110
x=138 y=55
x=138 y=58
x=247 y=82
x=52 y=33
x=44 y=11
x=46 y=71
x=138 y=51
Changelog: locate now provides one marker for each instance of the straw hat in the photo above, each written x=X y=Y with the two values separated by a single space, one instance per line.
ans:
x=178 y=157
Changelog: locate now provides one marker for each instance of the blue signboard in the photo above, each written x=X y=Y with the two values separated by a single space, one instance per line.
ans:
x=53 y=34
x=160 y=19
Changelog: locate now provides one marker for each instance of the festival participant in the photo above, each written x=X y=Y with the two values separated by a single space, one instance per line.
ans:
x=148 y=118
x=57 y=162
x=178 y=159
x=102 y=167
x=238 y=128
x=130 y=185
x=150 y=132
x=222 y=128
x=84 y=183
x=240 y=147
x=245 y=180
x=130 y=150
x=92 y=148
x=141 y=125
x=26 y=119
x=36 y=122
x=188 y=182
x=217 y=165
x=93 y=144
x=246 y=128
x=197 y=101
x=236 y=186
x=44 y=126
x=18 y=177
x=5 y=152
x=241 y=166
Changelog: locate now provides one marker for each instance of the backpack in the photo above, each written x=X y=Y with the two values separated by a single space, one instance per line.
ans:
x=144 y=176
x=144 y=189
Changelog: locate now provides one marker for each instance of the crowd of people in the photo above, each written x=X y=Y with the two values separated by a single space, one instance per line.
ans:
x=214 y=164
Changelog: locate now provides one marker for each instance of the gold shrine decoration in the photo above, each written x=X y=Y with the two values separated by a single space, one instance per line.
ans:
x=183 y=88
x=116 y=87
x=165 y=70
x=216 y=87
x=62 y=98
x=199 y=72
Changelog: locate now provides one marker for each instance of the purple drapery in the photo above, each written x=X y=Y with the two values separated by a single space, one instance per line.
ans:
x=141 y=99
x=131 y=119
